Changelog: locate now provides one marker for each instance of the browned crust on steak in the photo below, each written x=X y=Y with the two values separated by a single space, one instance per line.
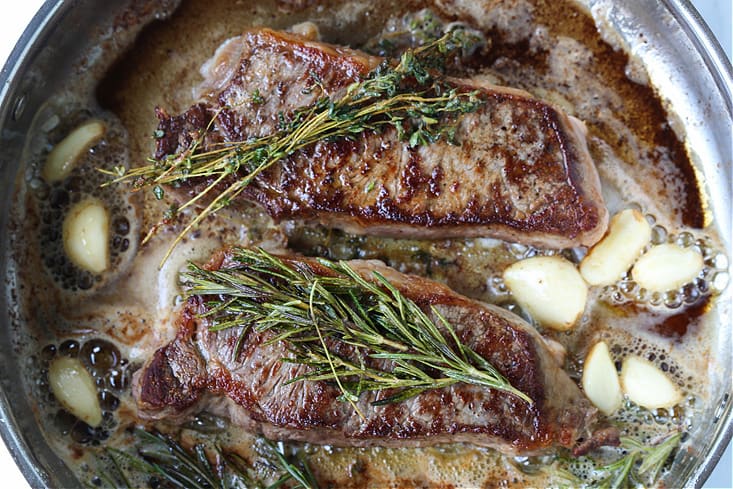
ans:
x=172 y=384
x=522 y=171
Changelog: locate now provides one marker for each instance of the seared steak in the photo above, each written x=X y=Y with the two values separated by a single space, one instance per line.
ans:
x=521 y=170
x=201 y=369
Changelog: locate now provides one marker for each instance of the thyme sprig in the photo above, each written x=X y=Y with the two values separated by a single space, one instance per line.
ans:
x=396 y=345
x=641 y=465
x=424 y=27
x=201 y=466
x=411 y=97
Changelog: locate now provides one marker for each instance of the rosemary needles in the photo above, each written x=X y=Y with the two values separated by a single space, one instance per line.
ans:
x=393 y=345
x=635 y=464
x=641 y=465
x=199 y=467
x=410 y=96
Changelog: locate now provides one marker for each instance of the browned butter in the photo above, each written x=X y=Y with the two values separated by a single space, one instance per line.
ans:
x=550 y=48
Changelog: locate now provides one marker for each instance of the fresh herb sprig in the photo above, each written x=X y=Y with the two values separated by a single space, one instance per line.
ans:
x=423 y=27
x=199 y=467
x=408 y=97
x=641 y=465
x=310 y=310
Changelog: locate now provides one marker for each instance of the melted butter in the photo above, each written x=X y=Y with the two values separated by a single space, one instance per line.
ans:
x=536 y=45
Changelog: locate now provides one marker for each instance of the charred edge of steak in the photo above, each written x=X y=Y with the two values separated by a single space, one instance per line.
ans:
x=175 y=377
x=604 y=437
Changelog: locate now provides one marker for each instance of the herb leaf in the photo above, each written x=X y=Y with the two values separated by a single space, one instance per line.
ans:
x=424 y=27
x=641 y=463
x=163 y=457
x=309 y=310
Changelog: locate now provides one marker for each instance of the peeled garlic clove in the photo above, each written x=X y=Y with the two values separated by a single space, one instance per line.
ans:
x=667 y=267
x=63 y=157
x=600 y=380
x=549 y=288
x=628 y=234
x=86 y=236
x=646 y=385
x=74 y=388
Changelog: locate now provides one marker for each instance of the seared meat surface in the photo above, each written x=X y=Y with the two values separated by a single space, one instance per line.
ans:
x=201 y=369
x=521 y=170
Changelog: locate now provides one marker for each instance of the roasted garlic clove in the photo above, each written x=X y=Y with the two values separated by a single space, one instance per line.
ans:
x=667 y=267
x=86 y=236
x=74 y=388
x=549 y=288
x=600 y=380
x=646 y=385
x=628 y=234
x=63 y=157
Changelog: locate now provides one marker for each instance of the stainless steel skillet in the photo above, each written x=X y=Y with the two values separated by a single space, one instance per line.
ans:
x=687 y=67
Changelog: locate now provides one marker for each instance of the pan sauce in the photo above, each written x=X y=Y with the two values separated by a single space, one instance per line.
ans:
x=640 y=159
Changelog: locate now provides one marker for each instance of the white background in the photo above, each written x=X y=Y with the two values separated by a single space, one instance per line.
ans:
x=14 y=19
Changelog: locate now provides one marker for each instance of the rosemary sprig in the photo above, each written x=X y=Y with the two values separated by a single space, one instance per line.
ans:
x=641 y=464
x=163 y=457
x=396 y=345
x=408 y=97
x=559 y=474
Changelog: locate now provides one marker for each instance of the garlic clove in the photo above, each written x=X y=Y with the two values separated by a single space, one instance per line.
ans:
x=628 y=234
x=667 y=267
x=646 y=385
x=74 y=388
x=600 y=380
x=549 y=288
x=63 y=157
x=86 y=236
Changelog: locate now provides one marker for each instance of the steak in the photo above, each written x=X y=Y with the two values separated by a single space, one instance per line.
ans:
x=521 y=170
x=246 y=379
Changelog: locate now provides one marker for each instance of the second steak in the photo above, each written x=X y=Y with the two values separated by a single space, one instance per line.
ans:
x=239 y=372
